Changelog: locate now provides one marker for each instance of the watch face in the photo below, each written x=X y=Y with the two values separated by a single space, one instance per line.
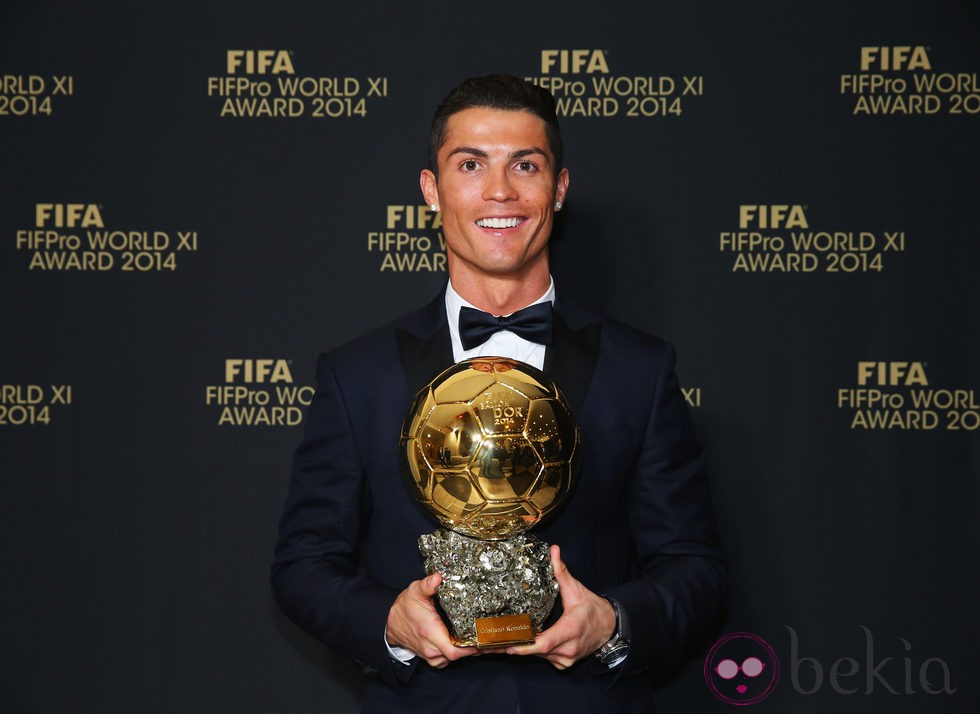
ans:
x=615 y=651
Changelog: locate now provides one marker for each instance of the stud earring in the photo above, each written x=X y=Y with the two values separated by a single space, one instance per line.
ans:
x=557 y=205
x=434 y=208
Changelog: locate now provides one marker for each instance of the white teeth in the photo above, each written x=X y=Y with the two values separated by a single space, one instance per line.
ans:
x=498 y=222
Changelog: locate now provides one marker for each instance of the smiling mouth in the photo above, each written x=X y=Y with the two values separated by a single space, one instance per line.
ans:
x=499 y=222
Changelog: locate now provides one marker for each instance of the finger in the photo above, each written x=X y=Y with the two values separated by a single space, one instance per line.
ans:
x=437 y=662
x=559 y=662
x=435 y=649
x=438 y=645
x=536 y=648
x=443 y=653
x=562 y=575
x=440 y=639
x=430 y=585
x=566 y=583
x=459 y=652
x=543 y=644
x=556 y=562
x=557 y=656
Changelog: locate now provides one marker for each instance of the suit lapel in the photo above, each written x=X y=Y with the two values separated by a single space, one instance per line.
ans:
x=572 y=356
x=424 y=344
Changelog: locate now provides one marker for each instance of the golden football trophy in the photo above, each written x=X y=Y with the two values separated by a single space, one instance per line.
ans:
x=488 y=448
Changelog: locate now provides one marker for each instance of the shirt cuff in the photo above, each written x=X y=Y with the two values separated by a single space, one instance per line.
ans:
x=400 y=654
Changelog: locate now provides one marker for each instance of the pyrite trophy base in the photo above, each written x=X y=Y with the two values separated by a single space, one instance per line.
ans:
x=494 y=592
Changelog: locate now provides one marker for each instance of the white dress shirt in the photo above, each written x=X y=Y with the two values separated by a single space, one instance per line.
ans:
x=501 y=344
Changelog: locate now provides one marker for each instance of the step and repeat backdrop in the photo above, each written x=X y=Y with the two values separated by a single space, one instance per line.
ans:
x=199 y=198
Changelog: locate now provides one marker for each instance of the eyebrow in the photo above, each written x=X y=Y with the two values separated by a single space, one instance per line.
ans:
x=521 y=153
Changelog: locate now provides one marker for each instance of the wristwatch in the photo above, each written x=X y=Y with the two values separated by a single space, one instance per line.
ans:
x=616 y=649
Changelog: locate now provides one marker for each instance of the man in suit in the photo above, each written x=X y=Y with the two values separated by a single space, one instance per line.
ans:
x=635 y=548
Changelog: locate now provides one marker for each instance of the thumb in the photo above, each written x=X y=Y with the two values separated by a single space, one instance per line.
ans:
x=430 y=585
x=562 y=575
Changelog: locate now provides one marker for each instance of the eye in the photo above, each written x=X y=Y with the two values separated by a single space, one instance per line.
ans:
x=526 y=167
x=726 y=669
x=752 y=667
x=469 y=165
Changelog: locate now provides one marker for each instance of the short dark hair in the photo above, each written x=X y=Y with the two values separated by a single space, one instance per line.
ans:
x=497 y=91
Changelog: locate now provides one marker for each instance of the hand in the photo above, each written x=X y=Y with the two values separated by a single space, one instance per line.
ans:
x=587 y=623
x=414 y=624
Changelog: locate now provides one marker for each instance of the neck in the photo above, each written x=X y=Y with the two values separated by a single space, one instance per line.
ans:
x=504 y=294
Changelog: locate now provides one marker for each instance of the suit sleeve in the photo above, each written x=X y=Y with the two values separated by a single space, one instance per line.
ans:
x=683 y=575
x=315 y=575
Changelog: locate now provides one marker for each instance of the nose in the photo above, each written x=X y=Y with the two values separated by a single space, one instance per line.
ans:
x=499 y=186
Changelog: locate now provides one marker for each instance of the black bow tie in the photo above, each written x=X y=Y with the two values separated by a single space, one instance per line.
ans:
x=532 y=323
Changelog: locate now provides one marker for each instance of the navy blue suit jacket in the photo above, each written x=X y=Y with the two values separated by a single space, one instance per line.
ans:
x=638 y=526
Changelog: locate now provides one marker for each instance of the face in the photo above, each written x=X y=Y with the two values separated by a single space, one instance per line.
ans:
x=741 y=669
x=497 y=190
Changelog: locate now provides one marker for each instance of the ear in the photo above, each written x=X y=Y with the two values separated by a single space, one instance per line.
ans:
x=430 y=188
x=562 y=185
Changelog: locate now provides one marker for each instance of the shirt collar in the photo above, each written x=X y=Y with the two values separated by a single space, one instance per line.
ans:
x=454 y=302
